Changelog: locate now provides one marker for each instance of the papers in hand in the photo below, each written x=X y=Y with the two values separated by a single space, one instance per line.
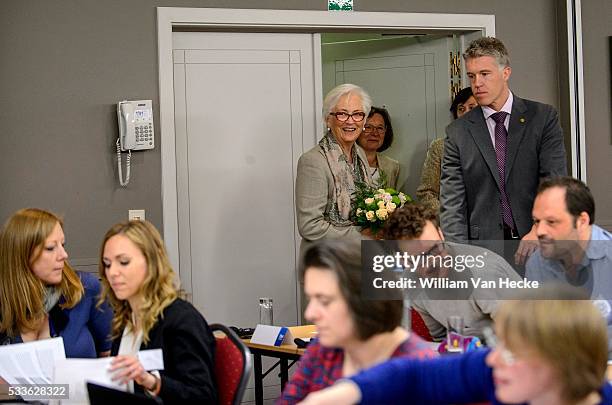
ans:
x=152 y=359
x=31 y=362
x=44 y=362
x=77 y=372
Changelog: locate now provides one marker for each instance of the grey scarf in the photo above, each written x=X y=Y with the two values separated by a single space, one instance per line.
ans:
x=52 y=296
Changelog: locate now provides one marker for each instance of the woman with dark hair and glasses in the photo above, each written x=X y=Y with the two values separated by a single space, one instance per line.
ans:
x=326 y=174
x=354 y=333
x=377 y=136
x=428 y=191
x=551 y=350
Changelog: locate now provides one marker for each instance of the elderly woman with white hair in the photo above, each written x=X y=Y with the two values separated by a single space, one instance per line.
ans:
x=326 y=174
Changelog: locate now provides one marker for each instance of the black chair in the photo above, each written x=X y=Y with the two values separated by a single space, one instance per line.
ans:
x=232 y=365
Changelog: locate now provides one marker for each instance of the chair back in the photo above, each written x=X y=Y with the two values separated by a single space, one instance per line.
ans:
x=418 y=325
x=233 y=365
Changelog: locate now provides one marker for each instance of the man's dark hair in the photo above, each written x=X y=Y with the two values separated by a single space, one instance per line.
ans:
x=460 y=98
x=388 y=140
x=343 y=258
x=578 y=197
x=409 y=222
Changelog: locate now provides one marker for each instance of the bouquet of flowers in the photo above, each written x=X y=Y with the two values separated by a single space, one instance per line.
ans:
x=374 y=205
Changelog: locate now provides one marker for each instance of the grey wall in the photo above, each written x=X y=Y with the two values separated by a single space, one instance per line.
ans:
x=66 y=63
x=596 y=28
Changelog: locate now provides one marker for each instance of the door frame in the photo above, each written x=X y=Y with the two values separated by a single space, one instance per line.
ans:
x=306 y=21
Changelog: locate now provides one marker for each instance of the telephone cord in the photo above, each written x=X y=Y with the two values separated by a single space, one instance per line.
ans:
x=127 y=166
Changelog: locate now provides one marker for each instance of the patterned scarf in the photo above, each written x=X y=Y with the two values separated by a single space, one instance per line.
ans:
x=345 y=175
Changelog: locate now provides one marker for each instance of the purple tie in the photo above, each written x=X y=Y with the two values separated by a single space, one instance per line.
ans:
x=501 y=136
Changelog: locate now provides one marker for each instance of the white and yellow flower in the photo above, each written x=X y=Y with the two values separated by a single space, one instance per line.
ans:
x=382 y=214
x=390 y=207
x=369 y=201
x=370 y=216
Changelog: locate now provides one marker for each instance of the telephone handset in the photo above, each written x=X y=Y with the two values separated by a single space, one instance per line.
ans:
x=135 y=131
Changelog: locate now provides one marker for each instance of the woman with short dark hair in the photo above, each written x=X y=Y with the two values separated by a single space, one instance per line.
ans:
x=354 y=333
x=377 y=136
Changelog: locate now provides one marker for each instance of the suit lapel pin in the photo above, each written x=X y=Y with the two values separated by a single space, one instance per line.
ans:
x=522 y=120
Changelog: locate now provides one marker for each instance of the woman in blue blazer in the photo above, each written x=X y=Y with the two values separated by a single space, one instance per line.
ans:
x=41 y=296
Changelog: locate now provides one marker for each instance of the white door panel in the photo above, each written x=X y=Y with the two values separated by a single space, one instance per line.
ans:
x=244 y=114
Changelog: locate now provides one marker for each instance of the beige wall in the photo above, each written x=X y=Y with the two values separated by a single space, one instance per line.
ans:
x=596 y=28
x=66 y=63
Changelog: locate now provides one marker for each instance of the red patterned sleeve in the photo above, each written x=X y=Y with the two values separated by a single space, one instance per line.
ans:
x=299 y=385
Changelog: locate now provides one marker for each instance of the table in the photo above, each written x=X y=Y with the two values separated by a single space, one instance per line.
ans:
x=283 y=353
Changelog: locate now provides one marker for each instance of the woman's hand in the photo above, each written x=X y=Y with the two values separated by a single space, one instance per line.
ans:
x=341 y=393
x=127 y=368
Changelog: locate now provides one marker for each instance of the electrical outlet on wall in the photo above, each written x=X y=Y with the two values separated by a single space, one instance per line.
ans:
x=136 y=215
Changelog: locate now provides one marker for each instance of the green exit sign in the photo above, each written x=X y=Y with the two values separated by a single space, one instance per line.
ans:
x=340 y=5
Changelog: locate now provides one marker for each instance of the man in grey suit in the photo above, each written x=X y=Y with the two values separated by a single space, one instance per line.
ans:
x=495 y=156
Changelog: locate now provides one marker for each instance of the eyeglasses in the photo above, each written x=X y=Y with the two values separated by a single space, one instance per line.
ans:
x=436 y=250
x=344 y=116
x=372 y=128
x=506 y=355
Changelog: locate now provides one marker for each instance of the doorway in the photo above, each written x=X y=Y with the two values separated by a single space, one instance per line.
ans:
x=466 y=26
x=409 y=75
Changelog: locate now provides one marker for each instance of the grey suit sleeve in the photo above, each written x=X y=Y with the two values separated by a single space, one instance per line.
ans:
x=553 y=160
x=311 y=194
x=453 y=203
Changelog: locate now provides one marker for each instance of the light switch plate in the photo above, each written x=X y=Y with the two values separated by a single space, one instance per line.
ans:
x=136 y=215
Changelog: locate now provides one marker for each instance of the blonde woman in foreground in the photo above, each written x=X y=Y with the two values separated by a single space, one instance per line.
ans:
x=549 y=352
x=141 y=287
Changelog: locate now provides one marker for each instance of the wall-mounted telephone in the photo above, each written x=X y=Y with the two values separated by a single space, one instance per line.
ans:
x=135 y=120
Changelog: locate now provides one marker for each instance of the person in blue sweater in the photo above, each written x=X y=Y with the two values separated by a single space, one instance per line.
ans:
x=549 y=352
x=41 y=296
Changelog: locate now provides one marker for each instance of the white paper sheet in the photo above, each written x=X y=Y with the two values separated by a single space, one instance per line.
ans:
x=77 y=372
x=151 y=359
x=31 y=362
